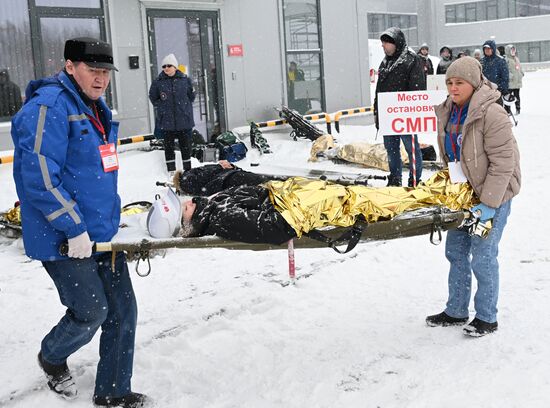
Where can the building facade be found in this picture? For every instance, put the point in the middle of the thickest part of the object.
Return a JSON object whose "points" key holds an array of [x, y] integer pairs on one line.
{"points": [[246, 57], [237, 53], [465, 25]]}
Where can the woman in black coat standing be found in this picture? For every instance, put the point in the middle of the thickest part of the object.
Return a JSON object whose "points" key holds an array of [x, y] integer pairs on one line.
{"points": [[172, 95]]}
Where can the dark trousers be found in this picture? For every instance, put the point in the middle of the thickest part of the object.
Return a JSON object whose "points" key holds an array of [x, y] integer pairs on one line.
{"points": [[185, 141], [515, 92], [393, 147], [245, 178], [95, 296]]}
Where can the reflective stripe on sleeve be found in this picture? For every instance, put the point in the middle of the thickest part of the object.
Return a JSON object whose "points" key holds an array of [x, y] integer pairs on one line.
{"points": [[67, 206]]}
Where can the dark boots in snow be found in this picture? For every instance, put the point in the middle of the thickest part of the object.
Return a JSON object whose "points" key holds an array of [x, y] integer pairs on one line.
{"points": [[59, 378], [444, 320], [478, 328]]}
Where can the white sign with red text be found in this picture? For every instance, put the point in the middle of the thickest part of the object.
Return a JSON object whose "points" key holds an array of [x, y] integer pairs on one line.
{"points": [[406, 113]]}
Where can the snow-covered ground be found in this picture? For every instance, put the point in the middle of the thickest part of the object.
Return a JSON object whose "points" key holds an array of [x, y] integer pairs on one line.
{"points": [[217, 330]]}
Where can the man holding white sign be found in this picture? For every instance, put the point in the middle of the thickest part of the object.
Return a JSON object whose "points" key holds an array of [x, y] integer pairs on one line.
{"points": [[401, 70]]}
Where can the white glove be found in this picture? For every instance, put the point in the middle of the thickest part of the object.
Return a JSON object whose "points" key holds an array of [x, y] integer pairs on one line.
{"points": [[80, 246]]}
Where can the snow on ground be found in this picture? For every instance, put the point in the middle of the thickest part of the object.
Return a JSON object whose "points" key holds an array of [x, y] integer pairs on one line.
{"points": [[217, 330]]}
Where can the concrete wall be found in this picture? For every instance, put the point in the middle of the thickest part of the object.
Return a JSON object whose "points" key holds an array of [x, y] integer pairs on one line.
{"points": [[253, 82], [345, 54], [131, 86]]}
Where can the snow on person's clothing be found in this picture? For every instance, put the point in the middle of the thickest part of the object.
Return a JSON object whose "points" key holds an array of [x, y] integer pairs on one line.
{"points": [[489, 151], [453, 132], [444, 62], [244, 214], [402, 71], [173, 98], [213, 178], [58, 171], [515, 80], [495, 68]]}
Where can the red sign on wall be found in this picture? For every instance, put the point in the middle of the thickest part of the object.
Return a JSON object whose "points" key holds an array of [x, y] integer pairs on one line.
{"points": [[235, 50]]}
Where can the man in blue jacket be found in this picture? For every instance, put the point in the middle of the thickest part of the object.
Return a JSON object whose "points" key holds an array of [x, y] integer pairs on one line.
{"points": [[495, 67], [65, 171]]}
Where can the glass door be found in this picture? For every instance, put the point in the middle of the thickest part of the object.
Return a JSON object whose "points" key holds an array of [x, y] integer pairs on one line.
{"points": [[192, 37]]}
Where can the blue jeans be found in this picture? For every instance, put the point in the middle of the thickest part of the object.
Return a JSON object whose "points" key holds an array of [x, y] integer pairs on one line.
{"points": [[392, 145], [95, 296], [471, 253]]}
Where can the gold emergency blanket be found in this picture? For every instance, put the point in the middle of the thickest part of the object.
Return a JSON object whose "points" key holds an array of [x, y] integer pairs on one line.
{"points": [[369, 155], [366, 154], [14, 215], [309, 204]]}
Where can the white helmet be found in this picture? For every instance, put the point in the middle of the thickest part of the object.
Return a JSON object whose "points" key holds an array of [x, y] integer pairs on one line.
{"points": [[164, 218]]}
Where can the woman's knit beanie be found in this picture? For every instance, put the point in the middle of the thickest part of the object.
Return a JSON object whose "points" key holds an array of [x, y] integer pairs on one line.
{"points": [[466, 68]]}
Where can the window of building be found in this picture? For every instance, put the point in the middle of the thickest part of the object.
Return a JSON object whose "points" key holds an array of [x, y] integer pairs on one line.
{"points": [[378, 23], [533, 51], [495, 10], [69, 3], [460, 13], [32, 37], [492, 12], [16, 59], [54, 32], [471, 12], [545, 50], [450, 14], [304, 60], [481, 11], [502, 9], [512, 8]]}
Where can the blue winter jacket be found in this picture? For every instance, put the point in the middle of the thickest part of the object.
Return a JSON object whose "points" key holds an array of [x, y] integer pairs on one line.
{"points": [[495, 68], [58, 172], [173, 97]]}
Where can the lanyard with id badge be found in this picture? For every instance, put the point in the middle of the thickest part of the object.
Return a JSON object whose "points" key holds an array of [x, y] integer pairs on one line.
{"points": [[455, 169], [107, 151]]}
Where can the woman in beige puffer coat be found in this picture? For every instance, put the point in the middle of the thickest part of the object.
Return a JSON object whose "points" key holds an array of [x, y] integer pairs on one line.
{"points": [[475, 139]]}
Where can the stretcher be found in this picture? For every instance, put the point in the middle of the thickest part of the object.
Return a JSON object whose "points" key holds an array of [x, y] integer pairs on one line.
{"points": [[133, 238]]}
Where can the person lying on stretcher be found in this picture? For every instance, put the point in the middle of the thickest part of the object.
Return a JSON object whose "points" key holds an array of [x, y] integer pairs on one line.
{"points": [[236, 208], [277, 211], [242, 213]]}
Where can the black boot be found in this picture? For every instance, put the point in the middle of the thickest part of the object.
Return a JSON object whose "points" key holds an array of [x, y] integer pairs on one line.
{"points": [[479, 328], [59, 378], [394, 181], [443, 319], [132, 400]]}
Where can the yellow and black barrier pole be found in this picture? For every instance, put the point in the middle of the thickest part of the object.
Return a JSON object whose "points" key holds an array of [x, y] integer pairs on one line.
{"points": [[347, 112], [6, 159], [135, 139], [126, 140]]}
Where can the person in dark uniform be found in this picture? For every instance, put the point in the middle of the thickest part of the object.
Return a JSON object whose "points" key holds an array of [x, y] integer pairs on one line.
{"points": [[172, 95]]}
